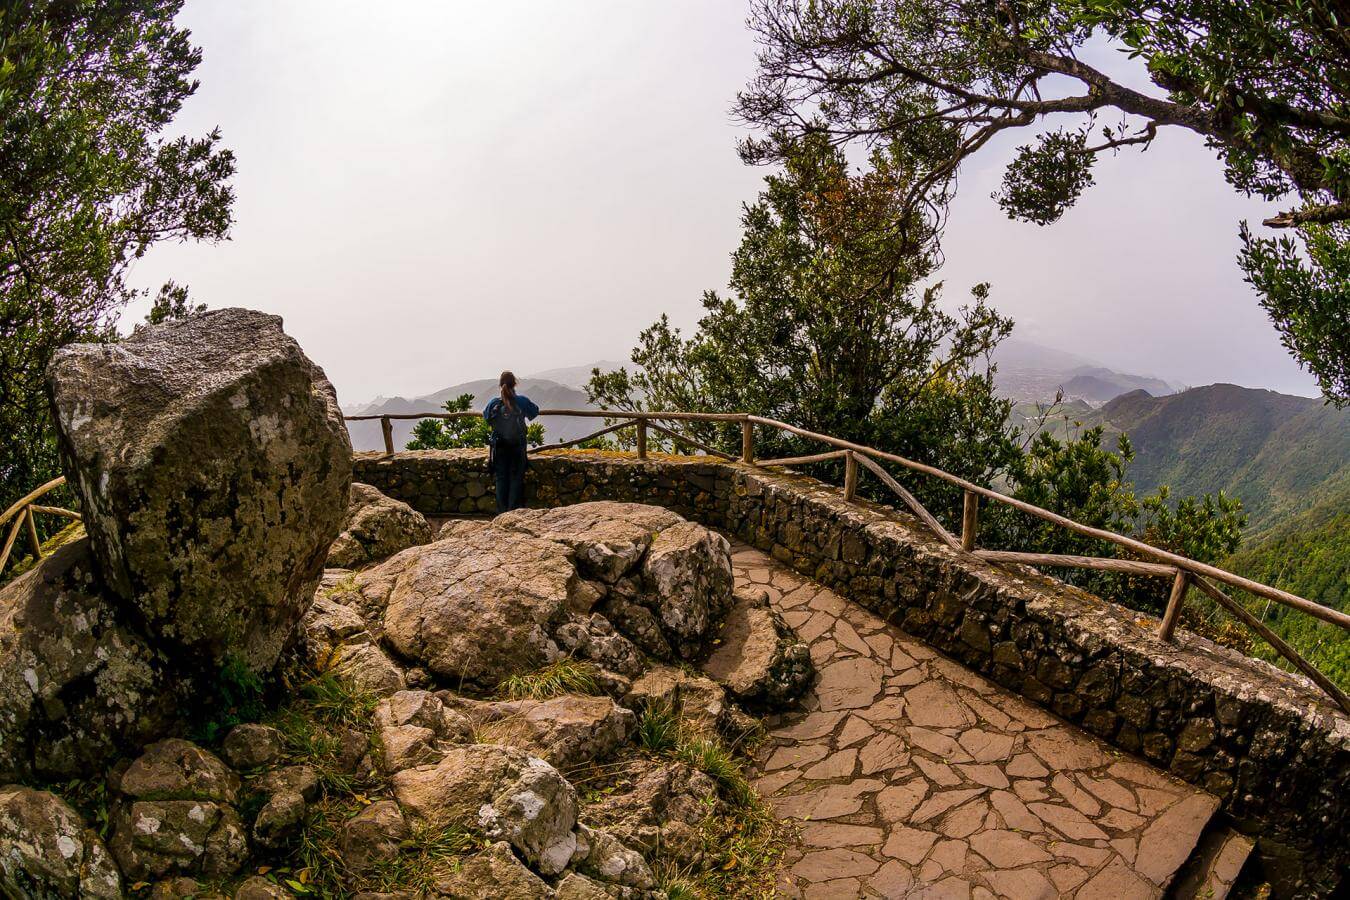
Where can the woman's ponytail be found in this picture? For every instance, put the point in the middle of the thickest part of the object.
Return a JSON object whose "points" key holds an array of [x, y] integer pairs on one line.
{"points": [[508, 386]]}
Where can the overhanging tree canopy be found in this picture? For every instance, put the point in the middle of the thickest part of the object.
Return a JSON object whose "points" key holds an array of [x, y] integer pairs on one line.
{"points": [[1265, 83], [87, 185]]}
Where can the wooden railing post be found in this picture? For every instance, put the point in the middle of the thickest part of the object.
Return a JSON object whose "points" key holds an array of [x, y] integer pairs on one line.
{"points": [[32, 532], [1173, 613], [850, 475], [747, 441], [642, 438], [387, 427], [970, 520]]}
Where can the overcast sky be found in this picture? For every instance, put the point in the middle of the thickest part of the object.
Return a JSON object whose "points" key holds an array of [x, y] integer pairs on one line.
{"points": [[430, 191]]}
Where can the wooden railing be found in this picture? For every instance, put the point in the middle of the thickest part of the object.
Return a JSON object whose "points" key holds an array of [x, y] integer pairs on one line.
{"points": [[1184, 572], [23, 512]]}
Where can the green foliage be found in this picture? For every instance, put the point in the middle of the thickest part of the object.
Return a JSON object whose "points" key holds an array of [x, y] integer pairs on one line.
{"points": [[658, 728], [172, 303], [1305, 287], [829, 330], [1265, 83], [1081, 479], [566, 676], [1044, 181], [453, 434], [238, 697], [88, 183]]}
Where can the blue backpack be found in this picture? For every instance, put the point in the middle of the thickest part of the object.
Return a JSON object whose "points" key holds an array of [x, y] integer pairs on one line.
{"points": [[508, 426]]}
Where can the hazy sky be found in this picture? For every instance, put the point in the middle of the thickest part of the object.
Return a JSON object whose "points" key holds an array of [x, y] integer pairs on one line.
{"points": [[430, 191]]}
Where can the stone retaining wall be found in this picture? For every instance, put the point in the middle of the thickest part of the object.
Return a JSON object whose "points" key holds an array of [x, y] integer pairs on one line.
{"points": [[1269, 744]]}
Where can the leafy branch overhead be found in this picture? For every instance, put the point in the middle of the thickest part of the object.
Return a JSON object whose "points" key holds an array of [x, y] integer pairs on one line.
{"points": [[1266, 84]]}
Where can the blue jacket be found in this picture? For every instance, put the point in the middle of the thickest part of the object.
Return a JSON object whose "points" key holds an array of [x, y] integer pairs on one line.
{"points": [[524, 403]]}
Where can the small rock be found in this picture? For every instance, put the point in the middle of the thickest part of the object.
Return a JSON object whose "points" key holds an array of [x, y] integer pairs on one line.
{"points": [[252, 746], [759, 659], [566, 731], [687, 579], [699, 701], [175, 769], [279, 819], [182, 888], [494, 873], [377, 527], [594, 638], [153, 838], [610, 861], [503, 792], [301, 779], [259, 888], [575, 886], [46, 850], [373, 835]]}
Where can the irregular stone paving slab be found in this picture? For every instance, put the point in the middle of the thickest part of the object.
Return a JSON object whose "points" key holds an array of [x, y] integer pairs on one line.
{"points": [[914, 777]]}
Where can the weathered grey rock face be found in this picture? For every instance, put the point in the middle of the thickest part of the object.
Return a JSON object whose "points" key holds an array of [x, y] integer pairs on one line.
{"points": [[76, 684], [663, 805], [479, 606], [213, 465], [609, 538], [503, 792], [687, 573], [566, 731], [47, 852], [377, 526], [760, 660], [177, 815]]}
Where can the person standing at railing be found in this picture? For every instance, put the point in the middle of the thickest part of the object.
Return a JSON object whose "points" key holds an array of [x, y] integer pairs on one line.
{"points": [[507, 414]]}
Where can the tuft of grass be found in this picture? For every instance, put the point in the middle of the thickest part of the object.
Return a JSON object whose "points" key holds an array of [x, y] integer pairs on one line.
{"points": [[658, 728], [566, 676], [310, 725], [710, 757], [433, 851]]}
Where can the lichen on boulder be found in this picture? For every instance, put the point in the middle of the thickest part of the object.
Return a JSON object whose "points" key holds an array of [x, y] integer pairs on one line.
{"points": [[77, 683], [48, 853], [212, 466]]}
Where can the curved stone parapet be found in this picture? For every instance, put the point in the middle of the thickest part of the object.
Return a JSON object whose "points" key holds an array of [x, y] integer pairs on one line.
{"points": [[1268, 743]]}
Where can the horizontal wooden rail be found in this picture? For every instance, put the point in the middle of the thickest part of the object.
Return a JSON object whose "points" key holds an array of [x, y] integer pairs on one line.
{"points": [[1129, 566], [802, 460], [688, 441], [563, 445], [910, 500]]}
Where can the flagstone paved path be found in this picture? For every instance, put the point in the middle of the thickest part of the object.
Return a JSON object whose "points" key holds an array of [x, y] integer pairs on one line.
{"points": [[913, 777]]}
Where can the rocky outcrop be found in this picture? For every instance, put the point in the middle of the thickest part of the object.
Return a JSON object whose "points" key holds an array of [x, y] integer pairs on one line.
{"points": [[377, 527], [566, 731], [759, 660], [177, 814], [504, 793], [77, 683], [414, 727], [687, 576], [662, 805], [203, 449], [698, 701], [47, 852], [609, 539]]}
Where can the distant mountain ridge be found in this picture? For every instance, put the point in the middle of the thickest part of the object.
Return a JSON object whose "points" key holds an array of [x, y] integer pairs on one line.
{"points": [[1028, 371], [1277, 452], [546, 393]]}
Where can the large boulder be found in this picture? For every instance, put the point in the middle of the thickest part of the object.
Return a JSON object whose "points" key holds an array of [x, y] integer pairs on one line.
{"points": [[47, 852], [212, 465], [477, 606], [760, 660], [77, 685], [502, 792], [377, 527]]}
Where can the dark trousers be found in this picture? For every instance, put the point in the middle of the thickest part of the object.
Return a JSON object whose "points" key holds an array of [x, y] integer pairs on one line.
{"points": [[508, 464]]}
